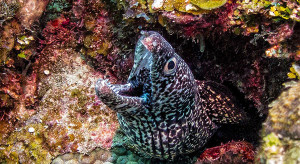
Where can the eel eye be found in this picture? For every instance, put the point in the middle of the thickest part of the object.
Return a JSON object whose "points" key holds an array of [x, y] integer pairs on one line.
{"points": [[170, 66]]}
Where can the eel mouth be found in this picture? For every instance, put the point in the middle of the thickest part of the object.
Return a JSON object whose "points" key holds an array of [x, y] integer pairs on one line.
{"points": [[119, 97], [124, 90], [132, 91]]}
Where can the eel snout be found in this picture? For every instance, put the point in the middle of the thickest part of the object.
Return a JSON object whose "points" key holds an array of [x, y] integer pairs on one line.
{"points": [[118, 97]]}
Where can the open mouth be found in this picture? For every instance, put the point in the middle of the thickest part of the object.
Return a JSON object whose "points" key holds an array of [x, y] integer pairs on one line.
{"points": [[135, 91], [129, 91], [121, 98]]}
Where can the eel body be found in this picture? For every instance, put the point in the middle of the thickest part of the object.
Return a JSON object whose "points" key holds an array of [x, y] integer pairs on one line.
{"points": [[162, 109]]}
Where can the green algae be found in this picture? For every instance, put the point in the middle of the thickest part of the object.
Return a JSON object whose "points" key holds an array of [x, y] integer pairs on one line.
{"points": [[271, 140]]}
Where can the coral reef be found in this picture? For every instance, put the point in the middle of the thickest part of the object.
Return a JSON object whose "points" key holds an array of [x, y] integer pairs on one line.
{"points": [[17, 96], [52, 52], [18, 85]]}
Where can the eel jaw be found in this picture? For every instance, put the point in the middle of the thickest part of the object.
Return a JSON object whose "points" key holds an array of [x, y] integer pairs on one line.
{"points": [[120, 98]]}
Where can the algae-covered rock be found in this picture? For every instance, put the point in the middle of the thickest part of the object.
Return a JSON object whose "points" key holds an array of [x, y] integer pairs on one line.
{"points": [[284, 114], [68, 118], [26, 146], [281, 131]]}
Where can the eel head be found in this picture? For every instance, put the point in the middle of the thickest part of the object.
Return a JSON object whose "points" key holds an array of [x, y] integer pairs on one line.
{"points": [[159, 81]]}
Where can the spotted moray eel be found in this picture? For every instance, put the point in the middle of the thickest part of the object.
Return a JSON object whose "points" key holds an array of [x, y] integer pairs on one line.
{"points": [[162, 109]]}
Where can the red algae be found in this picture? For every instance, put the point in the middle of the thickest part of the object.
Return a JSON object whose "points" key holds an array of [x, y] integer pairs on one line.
{"points": [[231, 152]]}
